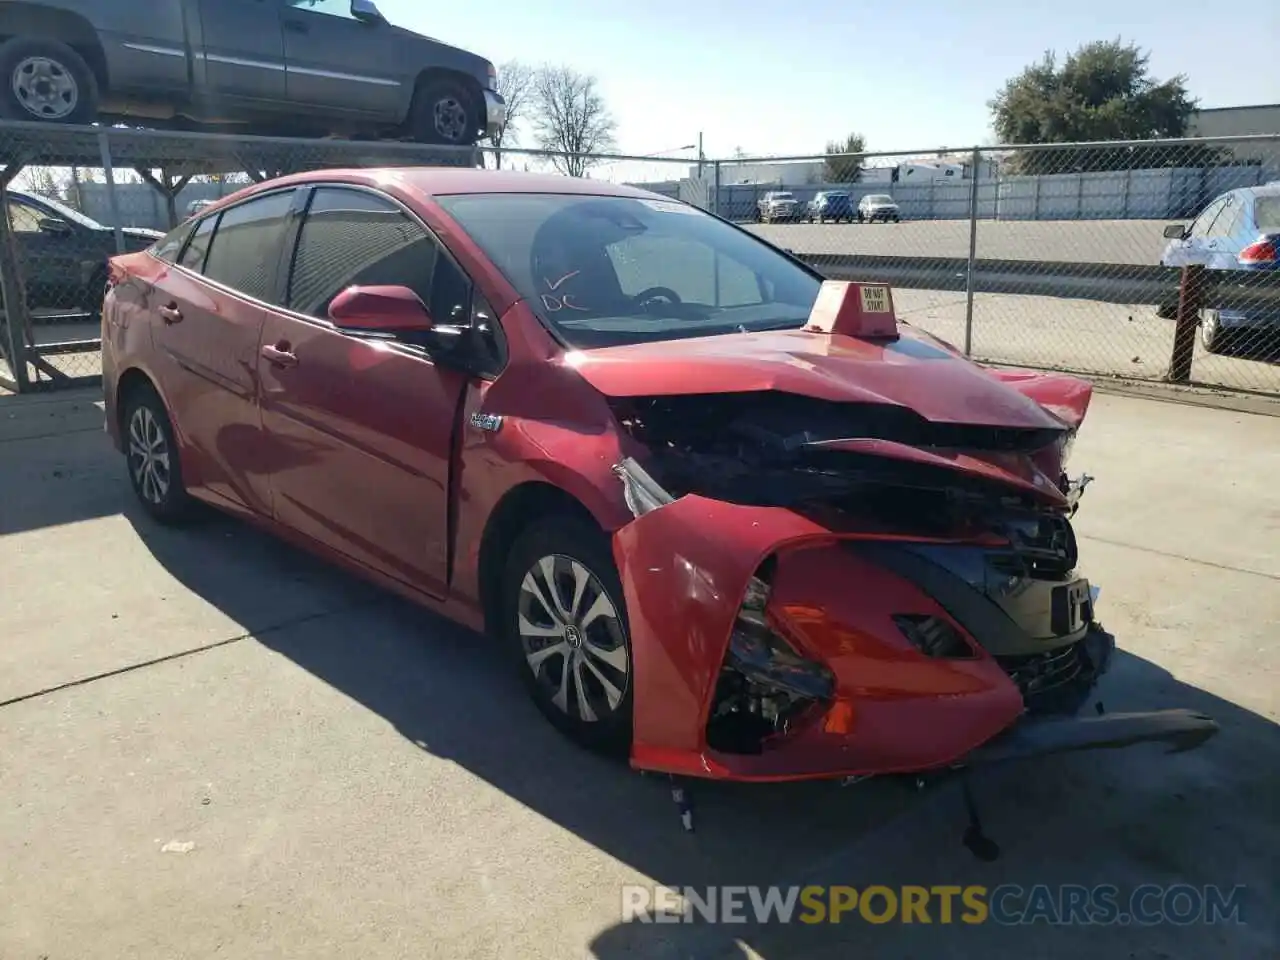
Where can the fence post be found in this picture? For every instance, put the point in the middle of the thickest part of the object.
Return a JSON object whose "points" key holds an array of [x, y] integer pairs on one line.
{"points": [[1190, 301], [15, 297], [973, 253], [113, 202], [715, 188]]}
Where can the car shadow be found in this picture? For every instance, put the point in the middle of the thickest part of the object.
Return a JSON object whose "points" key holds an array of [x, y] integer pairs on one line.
{"points": [[1117, 817]]}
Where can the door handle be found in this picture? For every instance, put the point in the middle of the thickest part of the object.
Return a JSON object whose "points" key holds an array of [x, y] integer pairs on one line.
{"points": [[170, 314], [279, 355], [296, 26]]}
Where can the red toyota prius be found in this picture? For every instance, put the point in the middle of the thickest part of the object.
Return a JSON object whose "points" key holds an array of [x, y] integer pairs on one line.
{"points": [[601, 426]]}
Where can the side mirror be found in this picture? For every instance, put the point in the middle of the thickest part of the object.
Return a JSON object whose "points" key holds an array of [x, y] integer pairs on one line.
{"points": [[54, 225], [1176, 231], [384, 312], [366, 11]]}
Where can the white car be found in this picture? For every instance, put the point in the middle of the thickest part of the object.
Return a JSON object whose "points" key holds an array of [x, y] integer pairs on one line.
{"points": [[1231, 233], [777, 205], [878, 206]]}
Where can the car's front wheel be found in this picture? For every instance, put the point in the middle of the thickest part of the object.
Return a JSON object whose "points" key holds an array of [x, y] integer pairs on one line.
{"points": [[152, 453], [444, 112], [565, 621]]}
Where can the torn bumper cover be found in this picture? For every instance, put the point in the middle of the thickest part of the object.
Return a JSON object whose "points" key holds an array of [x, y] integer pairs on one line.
{"points": [[769, 645]]}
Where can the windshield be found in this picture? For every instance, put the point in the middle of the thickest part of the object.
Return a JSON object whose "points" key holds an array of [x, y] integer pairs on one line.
{"points": [[784, 196], [879, 198], [1266, 211], [606, 271], [66, 213]]}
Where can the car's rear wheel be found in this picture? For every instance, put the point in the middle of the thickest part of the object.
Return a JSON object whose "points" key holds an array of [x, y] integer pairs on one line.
{"points": [[46, 80], [152, 453], [564, 620]]}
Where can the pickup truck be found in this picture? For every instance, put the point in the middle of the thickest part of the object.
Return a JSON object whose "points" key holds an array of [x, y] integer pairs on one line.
{"points": [[281, 67]]}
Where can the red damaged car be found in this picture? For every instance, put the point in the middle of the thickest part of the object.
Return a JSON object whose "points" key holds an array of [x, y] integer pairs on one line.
{"points": [[725, 525]]}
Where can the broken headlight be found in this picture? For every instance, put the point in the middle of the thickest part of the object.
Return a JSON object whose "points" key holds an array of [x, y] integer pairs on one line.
{"points": [[761, 655], [764, 683]]}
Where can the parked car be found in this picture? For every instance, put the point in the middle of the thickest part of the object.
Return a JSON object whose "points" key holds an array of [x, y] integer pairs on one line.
{"points": [[314, 67], [588, 418], [834, 205], [63, 253], [878, 206], [777, 205], [1236, 231]]}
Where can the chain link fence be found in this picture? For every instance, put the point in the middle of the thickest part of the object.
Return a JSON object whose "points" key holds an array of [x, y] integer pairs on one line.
{"points": [[76, 196], [1144, 260]]}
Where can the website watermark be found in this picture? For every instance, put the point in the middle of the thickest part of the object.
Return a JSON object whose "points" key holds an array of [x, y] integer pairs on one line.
{"points": [[1005, 905]]}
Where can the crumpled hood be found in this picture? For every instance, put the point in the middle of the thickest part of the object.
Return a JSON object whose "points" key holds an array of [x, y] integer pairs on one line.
{"points": [[916, 371]]}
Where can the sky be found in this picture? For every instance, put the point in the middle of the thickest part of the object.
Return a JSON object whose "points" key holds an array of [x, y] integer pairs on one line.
{"points": [[777, 78]]}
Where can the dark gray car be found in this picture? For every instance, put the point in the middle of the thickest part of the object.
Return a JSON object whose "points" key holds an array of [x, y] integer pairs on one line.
{"points": [[63, 254], [300, 67]]}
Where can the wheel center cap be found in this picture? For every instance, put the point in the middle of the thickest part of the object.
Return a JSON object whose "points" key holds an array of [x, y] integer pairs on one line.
{"points": [[572, 636]]}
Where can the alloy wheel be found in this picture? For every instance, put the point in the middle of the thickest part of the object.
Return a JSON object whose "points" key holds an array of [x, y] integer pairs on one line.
{"points": [[149, 456], [573, 638]]}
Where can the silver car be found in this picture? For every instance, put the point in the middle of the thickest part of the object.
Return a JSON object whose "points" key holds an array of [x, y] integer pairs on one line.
{"points": [[878, 206], [777, 205], [1223, 237]]}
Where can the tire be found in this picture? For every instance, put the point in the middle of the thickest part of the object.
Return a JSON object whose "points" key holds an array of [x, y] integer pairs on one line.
{"points": [[444, 113], [148, 439], [572, 547], [1211, 333], [46, 81]]}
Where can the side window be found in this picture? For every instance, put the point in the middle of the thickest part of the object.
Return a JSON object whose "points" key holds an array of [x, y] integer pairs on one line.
{"points": [[193, 256], [24, 218], [353, 237], [246, 246], [170, 244]]}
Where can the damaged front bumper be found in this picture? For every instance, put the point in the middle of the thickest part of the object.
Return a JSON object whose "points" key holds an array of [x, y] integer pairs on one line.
{"points": [[768, 645]]}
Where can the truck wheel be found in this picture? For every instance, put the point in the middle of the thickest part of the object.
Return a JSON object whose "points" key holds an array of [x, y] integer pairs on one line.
{"points": [[46, 80], [444, 112]]}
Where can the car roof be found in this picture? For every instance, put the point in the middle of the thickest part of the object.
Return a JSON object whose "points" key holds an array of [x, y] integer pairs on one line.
{"points": [[443, 181]]}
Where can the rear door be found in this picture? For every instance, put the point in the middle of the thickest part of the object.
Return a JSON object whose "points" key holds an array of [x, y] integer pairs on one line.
{"points": [[334, 60], [243, 49], [209, 310], [367, 427]]}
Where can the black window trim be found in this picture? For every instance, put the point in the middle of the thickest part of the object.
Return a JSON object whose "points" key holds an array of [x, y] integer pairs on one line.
{"points": [[293, 231]]}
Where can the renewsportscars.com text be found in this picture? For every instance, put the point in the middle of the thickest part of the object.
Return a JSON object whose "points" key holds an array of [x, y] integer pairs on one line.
{"points": [[1008, 904]]}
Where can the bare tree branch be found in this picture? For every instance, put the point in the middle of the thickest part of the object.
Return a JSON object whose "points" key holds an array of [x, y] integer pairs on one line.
{"points": [[516, 82], [571, 119]]}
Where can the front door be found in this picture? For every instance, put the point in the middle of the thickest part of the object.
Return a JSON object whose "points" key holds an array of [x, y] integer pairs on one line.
{"points": [[334, 60], [55, 263], [243, 49], [366, 428], [209, 312]]}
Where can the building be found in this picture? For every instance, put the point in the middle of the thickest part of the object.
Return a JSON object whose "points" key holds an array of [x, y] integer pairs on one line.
{"points": [[1241, 121]]}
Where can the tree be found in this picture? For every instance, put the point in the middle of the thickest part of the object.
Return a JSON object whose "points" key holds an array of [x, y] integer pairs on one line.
{"points": [[842, 162], [571, 119], [1102, 91], [516, 85]]}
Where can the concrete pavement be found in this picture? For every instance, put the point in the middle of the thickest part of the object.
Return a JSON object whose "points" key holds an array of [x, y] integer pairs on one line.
{"points": [[213, 745]]}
